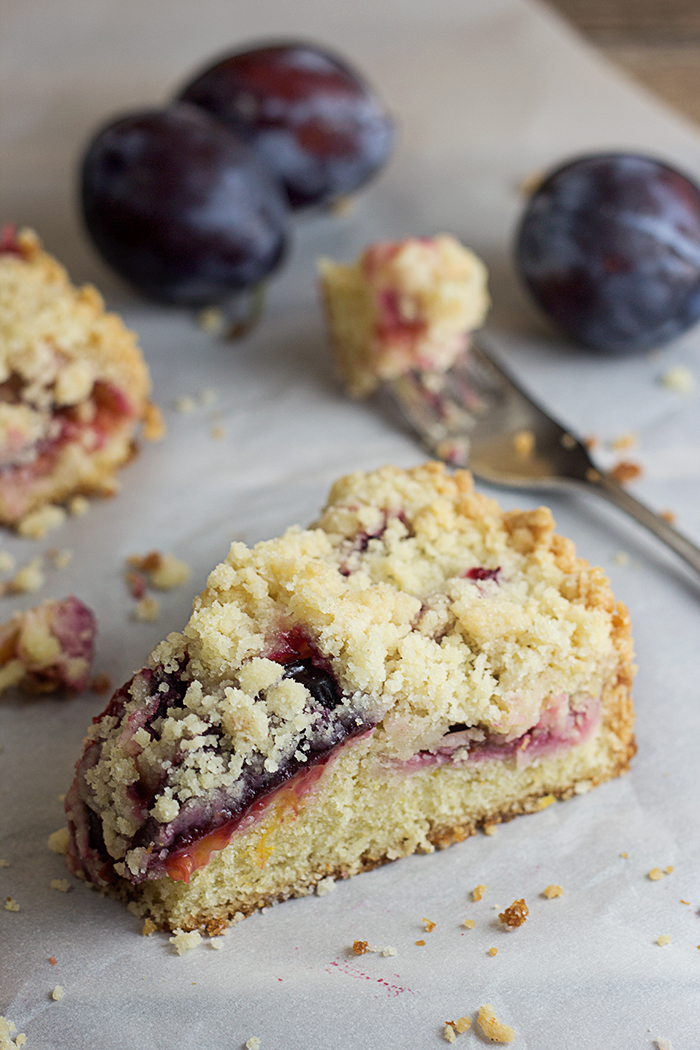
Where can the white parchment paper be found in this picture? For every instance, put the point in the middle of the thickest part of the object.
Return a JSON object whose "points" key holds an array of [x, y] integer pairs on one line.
{"points": [[486, 92]]}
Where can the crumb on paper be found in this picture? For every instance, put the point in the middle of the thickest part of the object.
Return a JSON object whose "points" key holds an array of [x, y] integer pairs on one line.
{"points": [[655, 874], [28, 579], [11, 905], [53, 960], [582, 787], [622, 558], [217, 943], [147, 610], [388, 952], [37, 523], [679, 379], [325, 886], [455, 1028], [429, 926], [360, 947], [684, 902], [218, 432], [184, 942], [149, 928], [524, 443], [567, 441], [253, 1043], [185, 405], [624, 441], [479, 891], [60, 559], [4, 863], [626, 470], [420, 944], [101, 683], [663, 1044], [153, 427], [62, 885], [663, 939], [469, 924], [493, 951], [546, 800], [448, 1033], [490, 829], [7, 562], [515, 914], [162, 571], [58, 840], [492, 1028], [78, 506], [552, 891], [7, 1031], [625, 855], [57, 993], [669, 869], [669, 515], [590, 441]]}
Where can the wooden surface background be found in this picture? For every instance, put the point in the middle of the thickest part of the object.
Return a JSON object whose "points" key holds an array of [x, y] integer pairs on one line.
{"points": [[656, 41]]}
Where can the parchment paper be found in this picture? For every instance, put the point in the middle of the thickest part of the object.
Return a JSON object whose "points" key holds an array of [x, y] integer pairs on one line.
{"points": [[486, 92]]}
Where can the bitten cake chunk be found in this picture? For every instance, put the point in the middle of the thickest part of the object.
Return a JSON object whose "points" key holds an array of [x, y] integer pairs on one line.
{"points": [[73, 384], [416, 665], [402, 305]]}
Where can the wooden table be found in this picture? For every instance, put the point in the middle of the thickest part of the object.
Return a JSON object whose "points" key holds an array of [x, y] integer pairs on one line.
{"points": [[656, 41]]}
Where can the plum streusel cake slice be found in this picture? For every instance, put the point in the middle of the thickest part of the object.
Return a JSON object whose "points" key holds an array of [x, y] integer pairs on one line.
{"points": [[402, 305], [416, 665], [73, 384]]}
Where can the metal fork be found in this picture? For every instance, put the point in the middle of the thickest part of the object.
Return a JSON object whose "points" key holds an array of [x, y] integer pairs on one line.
{"points": [[476, 415]]}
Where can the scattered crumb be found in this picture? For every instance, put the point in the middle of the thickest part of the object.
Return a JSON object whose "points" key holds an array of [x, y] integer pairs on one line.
{"points": [[625, 855], [493, 951], [449, 1033], [78, 506], [515, 914], [163, 571], [211, 320], [7, 562], [420, 943], [149, 928], [101, 683], [147, 610], [153, 426], [655, 874], [462, 1024], [524, 443], [663, 1044], [546, 800], [7, 1030], [57, 993], [684, 902], [492, 1028], [388, 952], [429, 926], [622, 558], [11, 905], [61, 559], [626, 470], [183, 942], [185, 405], [479, 891], [136, 582], [590, 442], [567, 441], [664, 939], [469, 923], [253, 1043], [62, 885], [669, 515], [490, 829], [359, 947], [37, 523], [552, 891], [217, 943], [325, 886], [28, 579], [218, 432], [680, 379], [624, 441], [58, 840], [669, 869], [582, 787], [4, 863], [52, 960]]}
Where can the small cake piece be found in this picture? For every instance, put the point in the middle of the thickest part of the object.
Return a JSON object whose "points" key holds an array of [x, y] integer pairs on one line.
{"points": [[49, 647], [73, 384], [415, 666], [402, 305]]}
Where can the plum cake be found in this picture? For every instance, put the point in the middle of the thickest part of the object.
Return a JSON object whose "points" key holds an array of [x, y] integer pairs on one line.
{"points": [[49, 647], [402, 305], [73, 384], [416, 665]]}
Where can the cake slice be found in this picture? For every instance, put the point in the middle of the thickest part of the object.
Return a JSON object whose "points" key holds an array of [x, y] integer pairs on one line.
{"points": [[73, 384], [415, 666], [402, 305]]}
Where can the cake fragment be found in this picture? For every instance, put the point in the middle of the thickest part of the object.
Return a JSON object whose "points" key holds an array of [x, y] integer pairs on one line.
{"points": [[415, 666], [492, 1028], [402, 305], [74, 387], [48, 647]]}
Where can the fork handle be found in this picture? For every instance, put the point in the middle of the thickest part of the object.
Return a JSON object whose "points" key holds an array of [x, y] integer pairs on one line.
{"points": [[609, 489]]}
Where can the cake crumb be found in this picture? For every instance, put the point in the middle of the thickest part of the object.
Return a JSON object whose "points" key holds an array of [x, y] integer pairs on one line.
{"points": [[163, 571], [147, 610], [218, 432], [253, 1043], [669, 869], [622, 559], [211, 320], [625, 855], [624, 441], [679, 379], [325, 886], [545, 801], [37, 523], [420, 944], [359, 947], [183, 942], [668, 515], [663, 1044], [11, 905], [515, 914], [524, 443], [216, 943], [53, 960], [469, 923], [101, 683], [185, 405], [149, 928], [655, 874], [4, 863], [78, 506], [684, 902], [61, 559], [28, 579], [493, 951], [449, 1033], [490, 829], [492, 1028], [388, 952], [62, 885], [7, 1031], [153, 427], [462, 1024], [7, 562], [429, 926], [479, 891], [58, 841], [552, 891], [626, 470], [664, 939], [57, 993]]}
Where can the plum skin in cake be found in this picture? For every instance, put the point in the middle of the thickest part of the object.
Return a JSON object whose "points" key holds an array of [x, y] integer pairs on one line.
{"points": [[402, 305], [415, 666], [73, 384]]}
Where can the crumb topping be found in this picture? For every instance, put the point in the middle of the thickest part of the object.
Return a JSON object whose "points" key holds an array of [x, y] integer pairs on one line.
{"points": [[515, 914]]}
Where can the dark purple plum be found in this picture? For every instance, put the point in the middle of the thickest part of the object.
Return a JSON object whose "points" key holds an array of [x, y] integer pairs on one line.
{"points": [[315, 121], [181, 207], [609, 246]]}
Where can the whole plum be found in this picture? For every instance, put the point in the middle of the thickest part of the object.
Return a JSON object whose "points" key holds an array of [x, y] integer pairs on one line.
{"points": [[609, 246], [315, 121], [180, 207]]}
